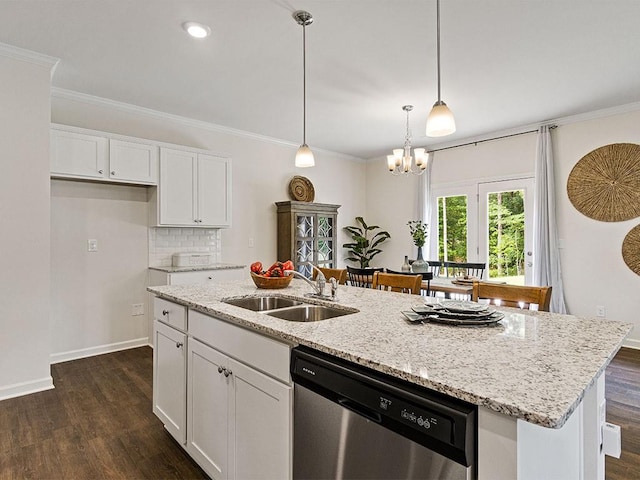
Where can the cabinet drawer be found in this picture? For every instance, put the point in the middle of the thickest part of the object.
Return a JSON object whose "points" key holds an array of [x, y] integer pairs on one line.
{"points": [[170, 313], [262, 353], [205, 276]]}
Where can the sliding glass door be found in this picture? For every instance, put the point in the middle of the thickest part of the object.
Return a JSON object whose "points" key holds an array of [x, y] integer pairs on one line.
{"points": [[485, 222]]}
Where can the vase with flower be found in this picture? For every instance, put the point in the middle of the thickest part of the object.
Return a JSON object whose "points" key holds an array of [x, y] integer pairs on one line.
{"points": [[418, 231]]}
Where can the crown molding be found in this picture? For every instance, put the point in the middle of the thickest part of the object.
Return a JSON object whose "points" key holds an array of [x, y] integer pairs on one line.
{"points": [[189, 122], [30, 56]]}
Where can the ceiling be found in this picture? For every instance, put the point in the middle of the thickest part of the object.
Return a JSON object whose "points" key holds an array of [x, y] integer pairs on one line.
{"points": [[505, 63]]}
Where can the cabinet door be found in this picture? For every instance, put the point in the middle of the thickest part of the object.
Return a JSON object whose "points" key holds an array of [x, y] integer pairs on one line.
{"points": [[176, 189], [170, 380], [133, 162], [325, 240], [78, 155], [214, 191], [305, 231], [260, 434], [208, 409]]}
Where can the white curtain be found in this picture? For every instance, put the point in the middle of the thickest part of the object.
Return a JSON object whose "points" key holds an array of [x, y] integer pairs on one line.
{"points": [[424, 203], [546, 258]]}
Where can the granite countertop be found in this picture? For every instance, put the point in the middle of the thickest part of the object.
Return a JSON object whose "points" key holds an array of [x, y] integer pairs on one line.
{"points": [[198, 268], [532, 365]]}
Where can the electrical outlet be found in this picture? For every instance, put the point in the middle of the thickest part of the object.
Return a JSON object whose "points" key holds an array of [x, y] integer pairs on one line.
{"points": [[600, 311], [92, 245], [137, 309]]}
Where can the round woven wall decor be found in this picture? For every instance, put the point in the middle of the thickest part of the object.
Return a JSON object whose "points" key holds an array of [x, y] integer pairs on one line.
{"points": [[631, 249], [605, 183], [301, 189]]}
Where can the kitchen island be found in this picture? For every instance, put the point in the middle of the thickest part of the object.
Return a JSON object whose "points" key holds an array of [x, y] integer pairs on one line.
{"points": [[536, 377]]}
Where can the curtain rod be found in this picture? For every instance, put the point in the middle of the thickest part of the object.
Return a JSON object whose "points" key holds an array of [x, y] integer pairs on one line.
{"points": [[488, 140]]}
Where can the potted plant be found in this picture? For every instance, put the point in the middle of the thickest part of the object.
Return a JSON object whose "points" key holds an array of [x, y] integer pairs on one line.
{"points": [[363, 248], [418, 231]]}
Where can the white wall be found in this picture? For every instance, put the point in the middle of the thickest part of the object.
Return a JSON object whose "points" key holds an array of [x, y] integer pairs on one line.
{"points": [[261, 171], [594, 272], [92, 293], [24, 219], [111, 280]]}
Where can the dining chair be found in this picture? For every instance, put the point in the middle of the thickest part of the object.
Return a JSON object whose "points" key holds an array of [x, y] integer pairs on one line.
{"points": [[361, 277], [340, 274], [435, 266], [397, 282], [455, 269], [513, 295], [426, 277]]}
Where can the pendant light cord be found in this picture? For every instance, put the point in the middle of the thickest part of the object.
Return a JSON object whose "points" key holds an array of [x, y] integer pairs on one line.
{"points": [[438, 44], [304, 84]]}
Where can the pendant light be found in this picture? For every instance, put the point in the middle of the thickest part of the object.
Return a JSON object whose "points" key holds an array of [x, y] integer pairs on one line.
{"points": [[304, 155], [401, 162], [440, 121]]}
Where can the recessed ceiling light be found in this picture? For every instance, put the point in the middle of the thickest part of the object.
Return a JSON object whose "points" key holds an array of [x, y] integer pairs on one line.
{"points": [[196, 29]]}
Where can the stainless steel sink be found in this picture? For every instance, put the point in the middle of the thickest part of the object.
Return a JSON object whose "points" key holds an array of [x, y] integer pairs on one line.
{"points": [[310, 313], [259, 304]]}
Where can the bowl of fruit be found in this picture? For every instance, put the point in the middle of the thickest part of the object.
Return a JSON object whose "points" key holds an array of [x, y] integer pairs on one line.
{"points": [[275, 276]]}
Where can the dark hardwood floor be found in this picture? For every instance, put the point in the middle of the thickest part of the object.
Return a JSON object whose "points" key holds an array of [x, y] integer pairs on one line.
{"points": [[623, 408], [97, 423]]}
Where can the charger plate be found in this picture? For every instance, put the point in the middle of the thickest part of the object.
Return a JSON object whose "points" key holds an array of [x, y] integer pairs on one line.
{"points": [[301, 189]]}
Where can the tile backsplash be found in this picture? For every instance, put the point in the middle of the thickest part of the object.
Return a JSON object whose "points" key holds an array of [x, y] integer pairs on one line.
{"points": [[164, 242]]}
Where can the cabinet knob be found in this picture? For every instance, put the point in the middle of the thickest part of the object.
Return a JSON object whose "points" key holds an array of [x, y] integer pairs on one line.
{"points": [[100, 172], [165, 312], [113, 172], [220, 369], [179, 344], [210, 278], [227, 372]]}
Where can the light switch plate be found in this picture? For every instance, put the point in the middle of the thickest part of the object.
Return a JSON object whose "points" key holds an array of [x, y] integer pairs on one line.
{"points": [[92, 245]]}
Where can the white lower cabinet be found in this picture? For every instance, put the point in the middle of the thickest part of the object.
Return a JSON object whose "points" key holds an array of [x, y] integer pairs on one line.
{"points": [[170, 379], [208, 410], [238, 418], [238, 399]]}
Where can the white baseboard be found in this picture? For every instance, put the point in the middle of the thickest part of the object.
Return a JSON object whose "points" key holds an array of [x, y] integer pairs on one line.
{"points": [[631, 343], [25, 388], [99, 350]]}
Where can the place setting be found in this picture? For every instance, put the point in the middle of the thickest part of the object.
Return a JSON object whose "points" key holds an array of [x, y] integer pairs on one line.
{"points": [[454, 312]]}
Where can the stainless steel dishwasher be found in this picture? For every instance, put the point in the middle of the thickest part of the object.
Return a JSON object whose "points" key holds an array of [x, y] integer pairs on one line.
{"points": [[353, 423]]}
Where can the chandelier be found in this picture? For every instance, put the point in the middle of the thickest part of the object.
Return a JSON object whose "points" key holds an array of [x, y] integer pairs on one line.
{"points": [[401, 162]]}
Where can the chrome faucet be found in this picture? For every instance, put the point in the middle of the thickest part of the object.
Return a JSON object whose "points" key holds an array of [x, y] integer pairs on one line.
{"points": [[318, 286]]}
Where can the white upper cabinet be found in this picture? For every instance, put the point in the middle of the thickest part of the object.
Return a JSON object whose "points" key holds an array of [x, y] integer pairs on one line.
{"points": [[132, 161], [194, 189], [85, 154], [78, 155]]}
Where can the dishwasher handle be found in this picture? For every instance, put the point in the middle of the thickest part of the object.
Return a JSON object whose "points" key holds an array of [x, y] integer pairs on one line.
{"points": [[360, 410]]}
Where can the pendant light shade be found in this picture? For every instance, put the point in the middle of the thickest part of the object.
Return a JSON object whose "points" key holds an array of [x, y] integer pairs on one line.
{"points": [[304, 155], [440, 121]]}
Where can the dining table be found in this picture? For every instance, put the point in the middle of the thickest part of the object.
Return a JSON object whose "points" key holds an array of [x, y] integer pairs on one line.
{"points": [[448, 285], [453, 285]]}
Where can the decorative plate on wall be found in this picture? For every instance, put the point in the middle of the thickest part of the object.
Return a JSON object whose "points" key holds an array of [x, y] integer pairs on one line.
{"points": [[605, 183], [301, 189], [631, 249]]}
